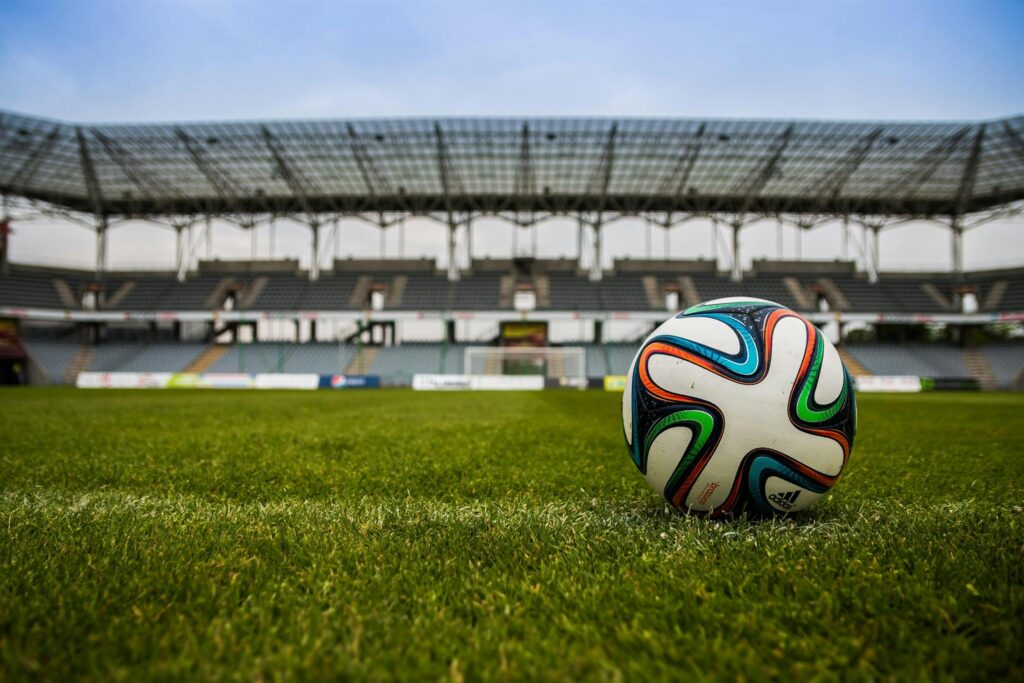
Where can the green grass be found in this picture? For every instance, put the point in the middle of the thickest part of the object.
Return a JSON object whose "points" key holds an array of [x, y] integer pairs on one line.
{"points": [[380, 535]]}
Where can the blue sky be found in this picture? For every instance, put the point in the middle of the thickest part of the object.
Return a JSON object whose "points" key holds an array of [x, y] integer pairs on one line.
{"points": [[212, 60], [156, 61]]}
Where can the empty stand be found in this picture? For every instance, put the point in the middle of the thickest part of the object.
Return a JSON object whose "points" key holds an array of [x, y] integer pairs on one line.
{"points": [[53, 355], [1007, 362], [29, 289], [321, 358], [142, 357], [408, 359], [924, 360], [570, 292], [558, 289]]}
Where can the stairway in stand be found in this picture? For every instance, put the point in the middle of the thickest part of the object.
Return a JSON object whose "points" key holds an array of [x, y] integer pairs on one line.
{"points": [[210, 355], [363, 360], [81, 362], [980, 369], [852, 364]]}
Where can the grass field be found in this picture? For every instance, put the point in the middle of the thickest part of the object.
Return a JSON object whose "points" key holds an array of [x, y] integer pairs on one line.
{"points": [[419, 536]]}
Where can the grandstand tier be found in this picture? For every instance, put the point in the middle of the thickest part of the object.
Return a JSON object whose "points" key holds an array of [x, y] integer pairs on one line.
{"points": [[396, 364], [830, 287]]}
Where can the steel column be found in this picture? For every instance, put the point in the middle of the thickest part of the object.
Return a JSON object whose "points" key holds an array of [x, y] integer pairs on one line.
{"points": [[846, 238], [778, 239], [737, 268], [101, 246], [5, 234], [179, 251], [595, 265], [798, 245], [273, 234], [209, 238], [873, 261], [958, 247], [714, 241], [453, 266], [314, 265], [336, 237], [579, 242]]}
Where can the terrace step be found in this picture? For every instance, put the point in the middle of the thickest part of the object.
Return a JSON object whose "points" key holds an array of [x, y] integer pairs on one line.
{"points": [[688, 288], [542, 290], [396, 291], [995, 294], [837, 301], [118, 295], [363, 360], [980, 370], [210, 355], [65, 294], [360, 293], [938, 297], [220, 293], [851, 363], [81, 362], [654, 299], [507, 291], [799, 293]]}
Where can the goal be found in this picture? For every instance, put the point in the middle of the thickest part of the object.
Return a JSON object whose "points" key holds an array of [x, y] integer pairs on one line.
{"points": [[562, 365]]}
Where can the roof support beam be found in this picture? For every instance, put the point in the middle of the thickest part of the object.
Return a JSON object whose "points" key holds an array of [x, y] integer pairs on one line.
{"points": [[28, 168], [526, 181], [225, 187], [293, 177], [375, 181], [601, 180], [92, 183], [150, 187], [679, 178], [450, 183], [1015, 138], [970, 174], [925, 168], [832, 184], [756, 181]]}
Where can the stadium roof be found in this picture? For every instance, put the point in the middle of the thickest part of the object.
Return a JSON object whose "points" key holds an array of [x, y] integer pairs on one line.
{"points": [[525, 165]]}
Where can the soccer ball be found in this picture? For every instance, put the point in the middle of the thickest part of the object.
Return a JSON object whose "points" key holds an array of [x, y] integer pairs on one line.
{"points": [[739, 404]]}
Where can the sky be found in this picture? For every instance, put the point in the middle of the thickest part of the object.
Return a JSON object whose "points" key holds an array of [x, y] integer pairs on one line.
{"points": [[91, 61]]}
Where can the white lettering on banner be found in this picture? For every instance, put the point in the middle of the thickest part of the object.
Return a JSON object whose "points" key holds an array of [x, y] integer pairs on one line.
{"points": [[507, 382], [286, 381], [122, 380], [888, 383], [224, 380], [477, 382], [424, 382]]}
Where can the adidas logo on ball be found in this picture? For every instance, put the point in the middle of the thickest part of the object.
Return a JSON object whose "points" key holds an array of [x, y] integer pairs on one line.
{"points": [[784, 500]]}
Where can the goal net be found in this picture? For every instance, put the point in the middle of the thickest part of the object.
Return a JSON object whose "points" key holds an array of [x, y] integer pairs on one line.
{"points": [[565, 365]]}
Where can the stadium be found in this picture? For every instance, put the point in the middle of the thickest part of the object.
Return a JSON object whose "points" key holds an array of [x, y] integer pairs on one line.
{"points": [[395, 451], [347, 316]]}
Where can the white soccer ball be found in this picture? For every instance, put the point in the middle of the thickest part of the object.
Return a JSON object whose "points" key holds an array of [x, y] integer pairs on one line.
{"points": [[739, 404]]}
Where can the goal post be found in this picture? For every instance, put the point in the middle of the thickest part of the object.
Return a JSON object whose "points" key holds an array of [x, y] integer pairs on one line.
{"points": [[563, 365]]}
